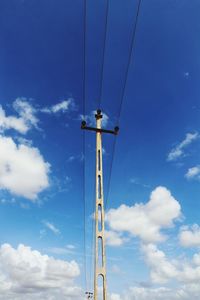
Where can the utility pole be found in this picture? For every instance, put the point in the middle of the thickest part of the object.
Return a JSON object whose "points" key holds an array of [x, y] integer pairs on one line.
{"points": [[100, 255]]}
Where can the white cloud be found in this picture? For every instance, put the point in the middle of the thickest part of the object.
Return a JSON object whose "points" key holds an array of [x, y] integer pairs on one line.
{"points": [[68, 249], [27, 274], [193, 173], [178, 151], [62, 106], [71, 247], [24, 122], [27, 118], [164, 270], [184, 292], [190, 237], [114, 238], [51, 227], [114, 297], [91, 121], [186, 74], [8, 201], [146, 220], [26, 111], [136, 181], [12, 122], [161, 269], [78, 157], [23, 170]]}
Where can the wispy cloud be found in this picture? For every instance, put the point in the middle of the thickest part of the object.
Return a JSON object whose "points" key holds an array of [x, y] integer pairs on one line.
{"points": [[26, 115], [7, 201], [25, 120], [51, 227], [136, 181], [178, 151], [26, 111], [68, 249], [62, 106], [78, 157], [193, 173], [186, 74]]}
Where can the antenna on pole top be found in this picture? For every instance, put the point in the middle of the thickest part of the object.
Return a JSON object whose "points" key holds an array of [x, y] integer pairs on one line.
{"points": [[100, 264]]}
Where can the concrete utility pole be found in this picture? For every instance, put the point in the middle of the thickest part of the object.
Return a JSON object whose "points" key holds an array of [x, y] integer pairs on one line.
{"points": [[100, 255]]}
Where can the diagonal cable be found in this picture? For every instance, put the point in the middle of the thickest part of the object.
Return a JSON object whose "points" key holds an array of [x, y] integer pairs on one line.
{"points": [[103, 58], [84, 108], [130, 56]]}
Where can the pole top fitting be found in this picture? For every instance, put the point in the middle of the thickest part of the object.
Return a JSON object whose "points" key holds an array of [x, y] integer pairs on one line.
{"points": [[83, 124], [98, 115], [116, 129]]}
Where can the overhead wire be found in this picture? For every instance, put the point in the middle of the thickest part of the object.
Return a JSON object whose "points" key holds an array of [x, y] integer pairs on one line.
{"points": [[84, 108], [84, 113], [99, 104], [103, 57], [130, 56]]}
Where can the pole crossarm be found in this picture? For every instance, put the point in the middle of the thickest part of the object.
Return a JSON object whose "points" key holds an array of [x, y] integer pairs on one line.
{"points": [[100, 254], [115, 132], [101, 130]]}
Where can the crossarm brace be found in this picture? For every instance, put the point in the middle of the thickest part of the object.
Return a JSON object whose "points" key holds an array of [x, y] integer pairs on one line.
{"points": [[115, 131]]}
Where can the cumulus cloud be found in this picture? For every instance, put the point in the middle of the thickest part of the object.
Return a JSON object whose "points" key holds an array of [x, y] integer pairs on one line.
{"points": [[193, 173], [23, 170], [190, 236], [161, 269], [114, 238], [62, 106], [146, 220], [51, 227], [183, 292], [27, 274], [178, 151], [114, 297]]}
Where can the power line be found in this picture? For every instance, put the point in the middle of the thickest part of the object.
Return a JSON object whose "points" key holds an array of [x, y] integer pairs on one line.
{"points": [[84, 55], [103, 58], [123, 90], [84, 107], [100, 96], [129, 57]]}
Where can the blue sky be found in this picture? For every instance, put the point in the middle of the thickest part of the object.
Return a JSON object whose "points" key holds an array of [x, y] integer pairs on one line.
{"points": [[152, 216]]}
